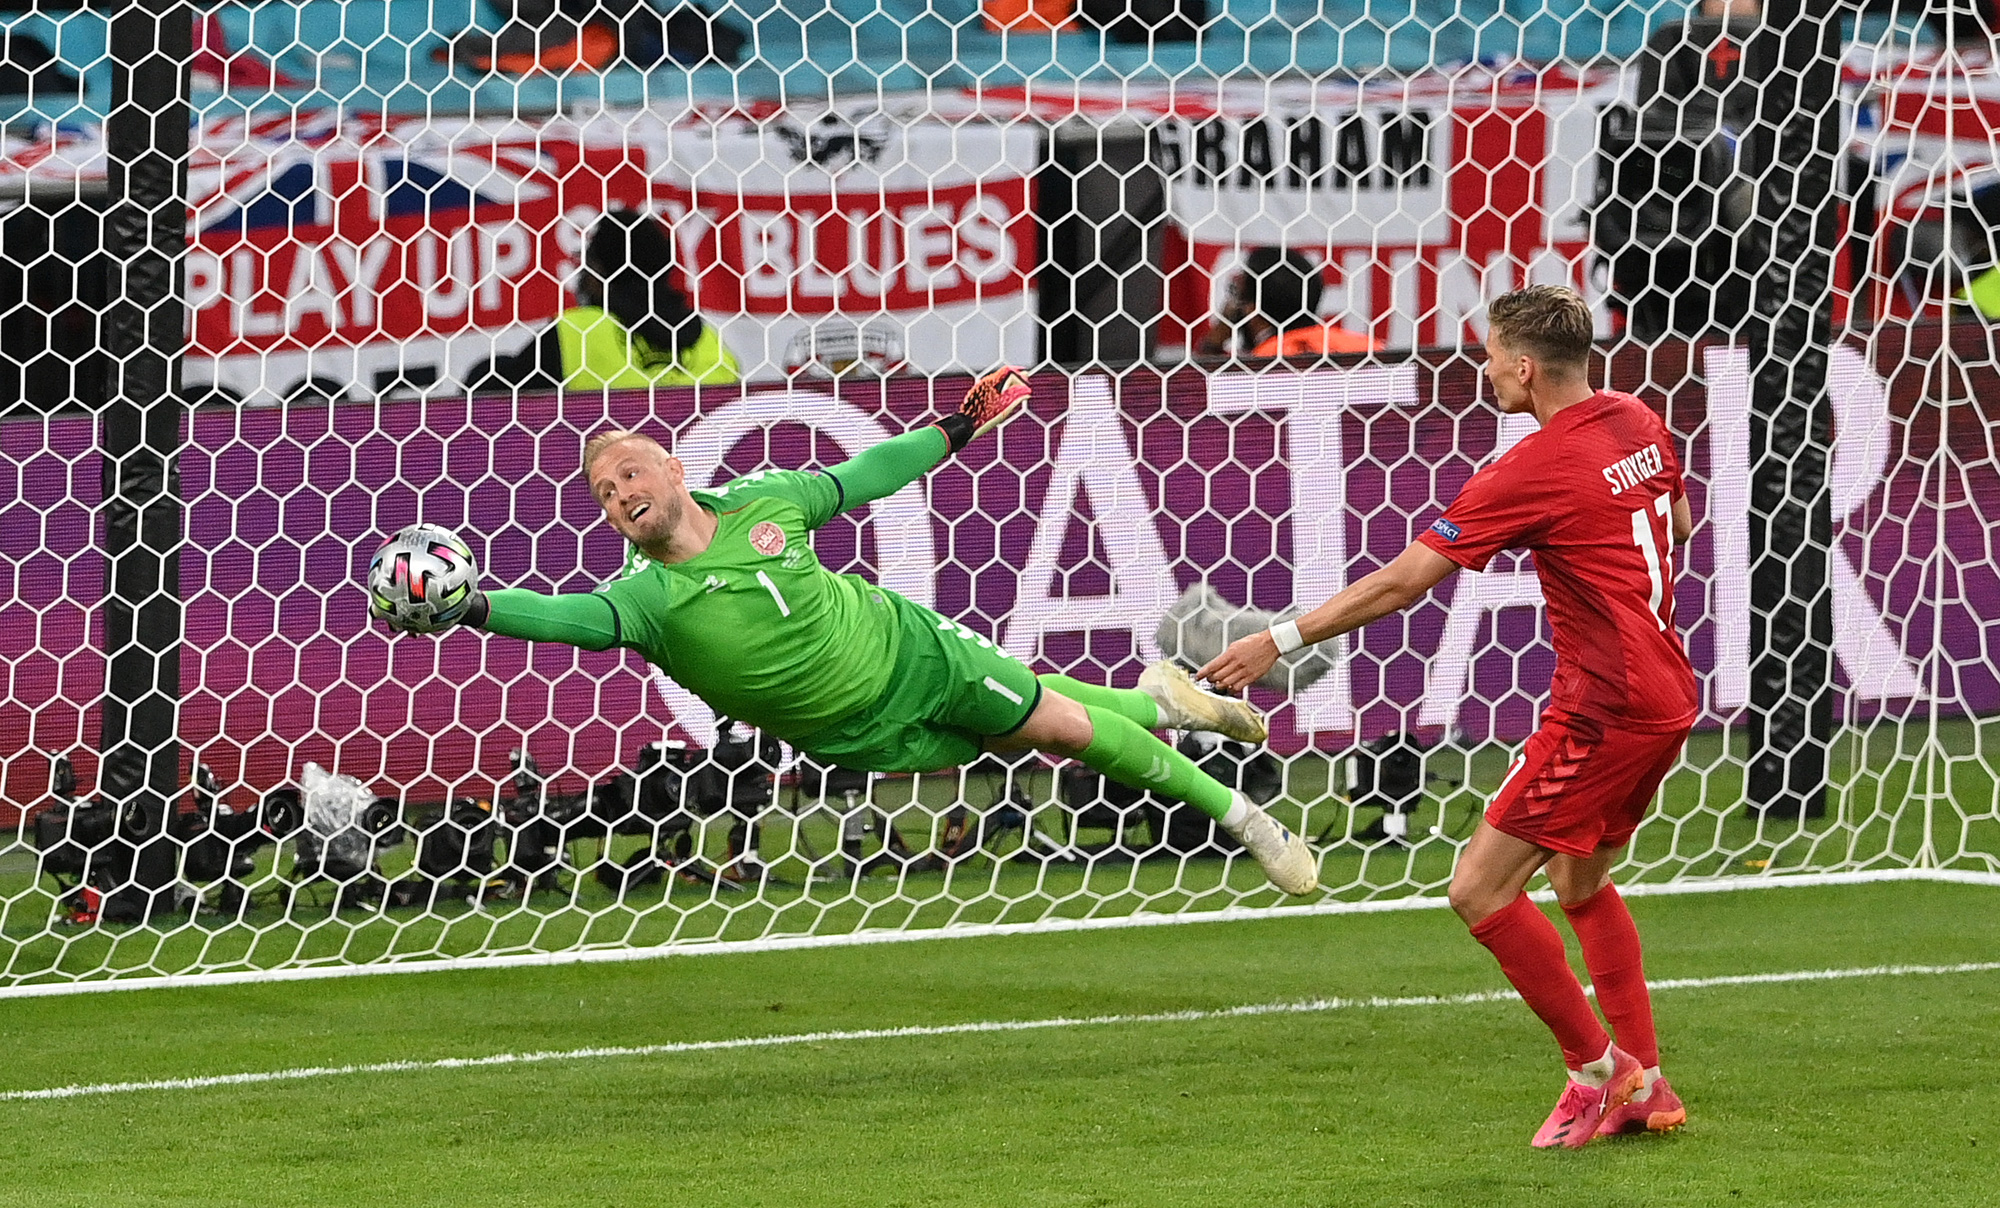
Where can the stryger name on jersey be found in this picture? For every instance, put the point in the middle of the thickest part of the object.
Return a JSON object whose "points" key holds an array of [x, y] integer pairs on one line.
{"points": [[1629, 472]]}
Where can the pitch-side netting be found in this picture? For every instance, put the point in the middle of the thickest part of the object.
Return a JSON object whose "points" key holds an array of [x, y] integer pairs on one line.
{"points": [[868, 203]]}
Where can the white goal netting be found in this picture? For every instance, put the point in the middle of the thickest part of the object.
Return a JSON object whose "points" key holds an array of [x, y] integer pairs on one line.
{"points": [[867, 203]]}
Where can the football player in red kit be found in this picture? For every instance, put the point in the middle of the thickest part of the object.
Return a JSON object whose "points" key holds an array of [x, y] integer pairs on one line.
{"points": [[1596, 497]]}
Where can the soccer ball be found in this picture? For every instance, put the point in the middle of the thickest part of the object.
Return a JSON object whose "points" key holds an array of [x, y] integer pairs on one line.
{"points": [[422, 580]]}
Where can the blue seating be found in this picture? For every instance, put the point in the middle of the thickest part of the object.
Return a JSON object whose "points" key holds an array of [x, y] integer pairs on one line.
{"points": [[79, 40], [377, 54]]}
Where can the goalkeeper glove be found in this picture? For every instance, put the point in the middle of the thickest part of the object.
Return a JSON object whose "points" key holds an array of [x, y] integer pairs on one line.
{"points": [[987, 405]]}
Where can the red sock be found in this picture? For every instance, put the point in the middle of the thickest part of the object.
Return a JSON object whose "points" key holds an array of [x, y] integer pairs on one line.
{"points": [[1611, 953], [1530, 951]]}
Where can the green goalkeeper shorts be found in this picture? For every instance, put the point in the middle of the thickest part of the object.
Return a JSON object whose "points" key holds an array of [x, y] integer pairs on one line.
{"points": [[951, 690]]}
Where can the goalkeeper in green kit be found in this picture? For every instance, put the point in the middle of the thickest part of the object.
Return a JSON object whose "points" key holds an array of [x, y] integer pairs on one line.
{"points": [[721, 590]]}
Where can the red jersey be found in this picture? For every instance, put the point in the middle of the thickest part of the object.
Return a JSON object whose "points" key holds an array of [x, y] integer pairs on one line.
{"points": [[1591, 497]]}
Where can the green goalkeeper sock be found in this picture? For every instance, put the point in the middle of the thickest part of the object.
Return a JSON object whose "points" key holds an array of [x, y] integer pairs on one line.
{"points": [[1129, 703], [1125, 752]]}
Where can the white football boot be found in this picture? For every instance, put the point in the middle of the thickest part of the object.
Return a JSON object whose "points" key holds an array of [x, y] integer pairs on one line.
{"points": [[1186, 706], [1282, 854]]}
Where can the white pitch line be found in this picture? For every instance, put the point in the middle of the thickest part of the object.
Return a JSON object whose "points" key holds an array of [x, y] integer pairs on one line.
{"points": [[1310, 1006]]}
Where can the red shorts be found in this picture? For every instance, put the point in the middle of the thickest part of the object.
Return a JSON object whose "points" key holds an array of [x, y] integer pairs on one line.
{"points": [[1579, 786]]}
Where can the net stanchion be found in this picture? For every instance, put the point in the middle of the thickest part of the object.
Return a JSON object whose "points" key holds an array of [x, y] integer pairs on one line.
{"points": [[1792, 148], [141, 431]]}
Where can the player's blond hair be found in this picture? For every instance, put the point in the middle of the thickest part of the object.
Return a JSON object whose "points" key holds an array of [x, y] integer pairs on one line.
{"points": [[594, 447], [1550, 323]]}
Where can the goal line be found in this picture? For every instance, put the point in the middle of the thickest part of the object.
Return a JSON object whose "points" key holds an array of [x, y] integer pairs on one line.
{"points": [[791, 943]]}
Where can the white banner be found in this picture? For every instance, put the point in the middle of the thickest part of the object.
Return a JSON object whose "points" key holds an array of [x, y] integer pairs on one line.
{"points": [[1418, 202], [906, 246]]}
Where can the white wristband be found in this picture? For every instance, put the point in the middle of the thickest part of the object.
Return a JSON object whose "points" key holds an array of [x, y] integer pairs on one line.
{"points": [[1286, 635]]}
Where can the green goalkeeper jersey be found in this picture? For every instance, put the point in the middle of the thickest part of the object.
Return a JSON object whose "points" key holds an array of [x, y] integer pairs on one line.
{"points": [[754, 625]]}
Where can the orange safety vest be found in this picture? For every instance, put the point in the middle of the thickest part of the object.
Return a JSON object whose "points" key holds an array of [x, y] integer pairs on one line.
{"points": [[593, 49], [1315, 340], [1025, 16]]}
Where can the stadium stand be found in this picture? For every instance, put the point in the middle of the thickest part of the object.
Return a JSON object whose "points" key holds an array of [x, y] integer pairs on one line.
{"points": [[380, 55]]}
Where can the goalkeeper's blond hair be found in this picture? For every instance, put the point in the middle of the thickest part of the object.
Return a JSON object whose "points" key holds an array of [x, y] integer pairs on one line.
{"points": [[596, 445]]}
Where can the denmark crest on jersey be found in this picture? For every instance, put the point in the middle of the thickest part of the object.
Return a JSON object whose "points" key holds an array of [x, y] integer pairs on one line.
{"points": [[767, 539]]}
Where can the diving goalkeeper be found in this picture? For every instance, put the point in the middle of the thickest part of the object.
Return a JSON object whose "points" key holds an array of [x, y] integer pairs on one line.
{"points": [[722, 591]]}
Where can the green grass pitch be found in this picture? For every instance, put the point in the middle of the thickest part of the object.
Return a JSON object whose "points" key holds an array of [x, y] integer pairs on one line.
{"points": [[1872, 1090]]}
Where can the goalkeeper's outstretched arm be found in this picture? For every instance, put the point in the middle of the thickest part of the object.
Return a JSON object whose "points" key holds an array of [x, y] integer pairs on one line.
{"points": [[586, 620], [423, 580], [881, 471], [901, 460]]}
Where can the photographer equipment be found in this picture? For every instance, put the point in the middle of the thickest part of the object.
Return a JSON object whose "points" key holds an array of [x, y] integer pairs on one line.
{"points": [[1184, 830], [1201, 624], [640, 869], [221, 845], [346, 826], [83, 845], [93, 851], [649, 801], [855, 819], [1008, 810], [740, 777], [652, 799], [1385, 772], [67, 833], [1098, 802], [1173, 826], [656, 800], [456, 849], [743, 863], [739, 771], [854, 830], [1251, 770], [959, 839], [1671, 195], [650, 866], [540, 826]]}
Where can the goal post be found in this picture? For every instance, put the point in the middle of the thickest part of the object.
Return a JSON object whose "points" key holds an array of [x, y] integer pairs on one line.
{"points": [[356, 276]]}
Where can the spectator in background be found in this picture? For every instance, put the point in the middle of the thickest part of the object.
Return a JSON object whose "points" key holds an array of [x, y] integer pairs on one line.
{"points": [[559, 36], [1273, 311], [632, 326], [1962, 23]]}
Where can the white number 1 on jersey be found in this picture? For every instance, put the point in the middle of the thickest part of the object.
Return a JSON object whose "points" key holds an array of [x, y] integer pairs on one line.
{"points": [[784, 609], [1659, 558]]}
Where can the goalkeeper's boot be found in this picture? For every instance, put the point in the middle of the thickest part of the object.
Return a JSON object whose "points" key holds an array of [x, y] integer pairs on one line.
{"points": [[1186, 706], [1660, 1111], [1573, 1124], [1280, 852]]}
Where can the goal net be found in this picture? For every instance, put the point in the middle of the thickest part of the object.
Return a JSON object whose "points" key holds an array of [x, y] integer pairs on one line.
{"points": [[386, 214]]}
